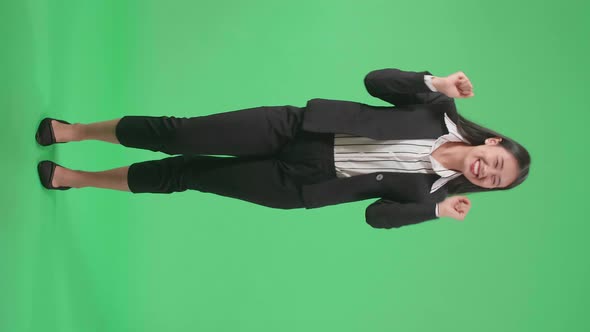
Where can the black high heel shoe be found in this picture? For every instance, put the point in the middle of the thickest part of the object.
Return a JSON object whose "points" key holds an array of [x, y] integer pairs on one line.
{"points": [[45, 135], [46, 169]]}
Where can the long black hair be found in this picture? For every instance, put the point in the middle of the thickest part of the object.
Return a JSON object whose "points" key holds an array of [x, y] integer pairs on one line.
{"points": [[476, 135]]}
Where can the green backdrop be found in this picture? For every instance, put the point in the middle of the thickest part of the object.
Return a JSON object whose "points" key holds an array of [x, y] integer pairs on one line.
{"points": [[100, 260]]}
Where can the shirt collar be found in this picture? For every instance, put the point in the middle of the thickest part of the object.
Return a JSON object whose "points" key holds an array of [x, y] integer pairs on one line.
{"points": [[445, 174]]}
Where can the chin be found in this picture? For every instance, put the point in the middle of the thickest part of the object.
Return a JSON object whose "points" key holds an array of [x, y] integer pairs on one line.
{"points": [[472, 181]]}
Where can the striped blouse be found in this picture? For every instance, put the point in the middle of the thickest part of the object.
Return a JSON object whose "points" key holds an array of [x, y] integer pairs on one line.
{"points": [[354, 155]]}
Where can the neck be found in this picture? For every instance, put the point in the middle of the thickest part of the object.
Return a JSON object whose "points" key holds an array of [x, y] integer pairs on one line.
{"points": [[452, 155]]}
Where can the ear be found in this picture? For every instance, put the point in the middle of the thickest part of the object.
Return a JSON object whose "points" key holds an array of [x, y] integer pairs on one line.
{"points": [[493, 140]]}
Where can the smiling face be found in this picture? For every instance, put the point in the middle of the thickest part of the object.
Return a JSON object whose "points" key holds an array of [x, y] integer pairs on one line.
{"points": [[490, 165]]}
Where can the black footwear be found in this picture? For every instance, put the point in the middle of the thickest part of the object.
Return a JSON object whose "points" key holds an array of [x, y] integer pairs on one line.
{"points": [[46, 169], [44, 135]]}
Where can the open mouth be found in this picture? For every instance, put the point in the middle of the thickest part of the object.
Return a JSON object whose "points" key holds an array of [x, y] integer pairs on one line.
{"points": [[475, 167]]}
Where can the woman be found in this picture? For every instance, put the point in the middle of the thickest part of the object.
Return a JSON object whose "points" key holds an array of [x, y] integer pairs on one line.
{"points": [[413, 155]]}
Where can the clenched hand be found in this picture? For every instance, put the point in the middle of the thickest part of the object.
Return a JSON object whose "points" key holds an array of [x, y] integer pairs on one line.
{"points": [[456, 85], [454, 207]]}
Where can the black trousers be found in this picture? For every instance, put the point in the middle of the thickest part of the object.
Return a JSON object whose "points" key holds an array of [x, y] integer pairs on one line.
{"points": [[265, 155]]}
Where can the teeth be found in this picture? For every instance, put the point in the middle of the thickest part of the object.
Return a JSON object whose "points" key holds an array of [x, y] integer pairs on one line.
{"points": [[477, 168]]}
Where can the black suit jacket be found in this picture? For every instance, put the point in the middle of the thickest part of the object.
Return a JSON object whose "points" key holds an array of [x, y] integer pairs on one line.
{"points": [[418, 114]]}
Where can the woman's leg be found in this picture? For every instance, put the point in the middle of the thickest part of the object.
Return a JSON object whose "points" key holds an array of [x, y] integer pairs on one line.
{"points": [[257, 180], [115, 179], [258, 131], [102, 131]]}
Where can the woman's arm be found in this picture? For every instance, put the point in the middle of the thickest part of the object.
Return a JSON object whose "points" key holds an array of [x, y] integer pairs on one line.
{"points": [[385, 213], [400, 87]]}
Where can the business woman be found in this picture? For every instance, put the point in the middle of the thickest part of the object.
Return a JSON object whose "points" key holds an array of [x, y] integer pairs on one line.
{"points": [[415, 156]]}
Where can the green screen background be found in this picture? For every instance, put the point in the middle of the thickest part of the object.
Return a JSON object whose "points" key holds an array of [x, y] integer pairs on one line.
{"points": [[100, 260]]}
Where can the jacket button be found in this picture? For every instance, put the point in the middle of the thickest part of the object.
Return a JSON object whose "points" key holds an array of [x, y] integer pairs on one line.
{"points": [[379, 177]]}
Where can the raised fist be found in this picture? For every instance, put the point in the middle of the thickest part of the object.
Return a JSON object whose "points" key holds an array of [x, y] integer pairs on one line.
{"points": [[456, 85], [455, 207]]}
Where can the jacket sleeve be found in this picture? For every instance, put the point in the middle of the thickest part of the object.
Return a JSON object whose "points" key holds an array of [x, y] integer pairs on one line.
{"points": [[400, 87], [385, 213]]}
